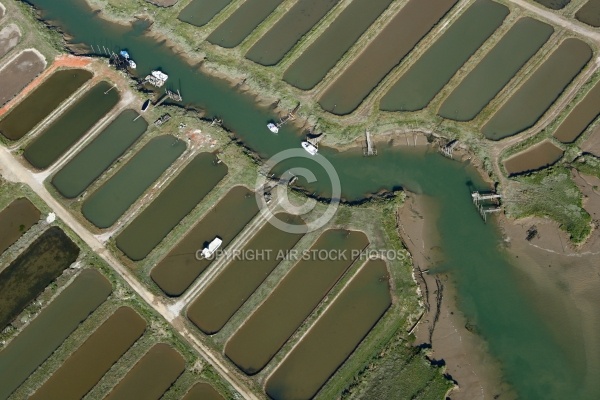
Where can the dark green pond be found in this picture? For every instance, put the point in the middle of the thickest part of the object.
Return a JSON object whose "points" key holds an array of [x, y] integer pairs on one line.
{"points": [[286, 32], [554, 4], [101, 153], [242, 22], [172, 204], [590, 13], [526, 106], [535, 361], [496, 69], [38, 266], [200, 12], [434, 69], [42, 101], [106, 205], [318, 58], [50, 328], [71, 126]]}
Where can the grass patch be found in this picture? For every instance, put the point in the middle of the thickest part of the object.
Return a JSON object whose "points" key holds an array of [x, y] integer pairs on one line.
{"points": [[399, 372], [550, 193], [588, 164]]}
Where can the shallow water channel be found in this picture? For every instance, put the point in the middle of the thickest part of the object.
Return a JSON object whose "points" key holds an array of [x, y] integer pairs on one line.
{"points": [[534, 360]]}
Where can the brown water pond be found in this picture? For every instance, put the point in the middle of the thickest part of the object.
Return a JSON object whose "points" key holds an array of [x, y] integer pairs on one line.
{"points": [[434, 69], [200, 12], [88, 364], [496, 69], [50, 328], [580, 117], [18, 73], [242, 22], [42, 101], [111, 200], [180, 268], [38, 266], [91, 162], [286, 32], [334, 336], [316, 61], [590, 13], [151, 376], [382, 54], [71, 126], [217, 303], [536, 157], [525, 107], [171, 206], [15, 220], [202, 391], [10, 36], [294, 299]]}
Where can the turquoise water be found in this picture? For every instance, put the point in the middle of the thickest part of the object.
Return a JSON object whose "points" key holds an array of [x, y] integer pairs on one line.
{"points": [[533, 360]]}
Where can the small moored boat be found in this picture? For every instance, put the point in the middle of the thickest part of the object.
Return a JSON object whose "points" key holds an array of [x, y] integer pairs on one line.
{"points": [[272, 127], [209, 250], [310, 148], [145, 105]]}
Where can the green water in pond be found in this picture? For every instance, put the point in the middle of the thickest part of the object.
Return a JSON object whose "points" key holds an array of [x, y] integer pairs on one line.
{"points": [[532, 358], [106, 205], [496, 69], [71, 126], [42, 101], [172, 204], [419, 85], [95, 158], [525, 107]]}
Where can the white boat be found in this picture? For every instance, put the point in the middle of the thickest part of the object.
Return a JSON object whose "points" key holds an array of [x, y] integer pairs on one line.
{"points": [[132, 64], [272, 127], [124, 54], [311, 148], [209, 250], [160, 75]]}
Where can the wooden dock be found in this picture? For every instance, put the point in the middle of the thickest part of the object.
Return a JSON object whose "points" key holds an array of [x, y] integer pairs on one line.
{"points": [[486, 203], [369, 149]]}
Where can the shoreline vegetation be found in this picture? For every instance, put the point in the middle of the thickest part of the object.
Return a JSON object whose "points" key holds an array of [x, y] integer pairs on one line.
{"points": [[484, 156]]}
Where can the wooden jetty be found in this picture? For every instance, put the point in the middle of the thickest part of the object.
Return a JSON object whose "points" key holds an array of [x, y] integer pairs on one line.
{"points": [[448, 148], [369, 149], [486, 203], [289, 117]]}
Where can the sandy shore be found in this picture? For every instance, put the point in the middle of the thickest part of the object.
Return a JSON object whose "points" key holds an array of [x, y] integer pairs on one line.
{"points": [[466, 359]]}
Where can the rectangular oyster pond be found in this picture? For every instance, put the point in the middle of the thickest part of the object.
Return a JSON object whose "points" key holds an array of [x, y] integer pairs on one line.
{"points": [[293, 300]]}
